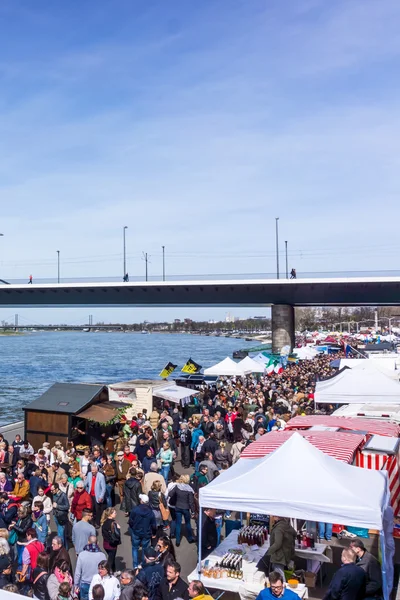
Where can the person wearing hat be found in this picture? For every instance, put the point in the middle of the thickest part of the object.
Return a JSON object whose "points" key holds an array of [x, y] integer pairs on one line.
{"points": [[152, 572], [142, 527], [122, 467]]}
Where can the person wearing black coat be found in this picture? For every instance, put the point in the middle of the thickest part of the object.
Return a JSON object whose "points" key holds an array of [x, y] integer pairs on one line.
{"points": [[185, 439], [211, 445], [349, 582], [5, 570], [182, 498], [209, 537], [132, 489], [111, 533], [8, 510]]}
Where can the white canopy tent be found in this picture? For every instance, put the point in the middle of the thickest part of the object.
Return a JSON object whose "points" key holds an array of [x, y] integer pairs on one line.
{"points": [[175, 393], [227, 367], [261, 358], [386, 367], [336, 493], [305, 352], [252, 365], [358, 386]]}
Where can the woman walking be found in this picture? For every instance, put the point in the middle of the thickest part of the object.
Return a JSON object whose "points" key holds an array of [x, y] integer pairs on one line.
{"points": [[166, 456], [182, 496], [40, 575], [111, 533], [110, 583], [158, 504]]}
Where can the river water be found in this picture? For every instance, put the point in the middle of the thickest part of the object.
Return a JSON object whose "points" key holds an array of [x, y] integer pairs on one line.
{"points": [[32, 362]]}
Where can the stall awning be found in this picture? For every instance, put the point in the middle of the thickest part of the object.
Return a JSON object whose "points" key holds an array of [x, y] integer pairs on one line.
{"points": [[341, 446], [175, 393], [350, 423], [103, 412]]}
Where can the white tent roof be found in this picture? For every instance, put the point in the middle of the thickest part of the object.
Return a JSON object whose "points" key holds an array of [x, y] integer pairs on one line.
{"points": [[227, 367], [175, 393], [248, 364], [305, 353], [261, 358], [358, 386], [335, 493], [386, 367]]}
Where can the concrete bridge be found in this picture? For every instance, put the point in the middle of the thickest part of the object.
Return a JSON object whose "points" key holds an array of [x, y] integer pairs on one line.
{"points": [[281, 294]]}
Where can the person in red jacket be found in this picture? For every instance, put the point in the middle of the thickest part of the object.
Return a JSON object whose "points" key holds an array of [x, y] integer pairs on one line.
{"points": [[80, 501], [31, 552], [229, 420], [129, 455]]}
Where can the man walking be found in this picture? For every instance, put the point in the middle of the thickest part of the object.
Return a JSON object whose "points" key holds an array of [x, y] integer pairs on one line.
{"points": [[142, 527], [60, 510], [349, 581], [152, 572], [87, 566], [82, 530], [368, 563], [95, 485], [172, 585], [122, 468]]}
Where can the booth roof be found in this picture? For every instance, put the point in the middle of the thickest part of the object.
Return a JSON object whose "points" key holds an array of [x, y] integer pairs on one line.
{"points": [[67, 398], [249, 364], [299, 481], [226, 367], [175, 393], [103, 412], [340, 445], [349, 423], [358, 386]]}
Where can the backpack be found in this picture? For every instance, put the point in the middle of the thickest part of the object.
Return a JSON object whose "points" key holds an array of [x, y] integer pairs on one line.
{"points": [[194, 482]]}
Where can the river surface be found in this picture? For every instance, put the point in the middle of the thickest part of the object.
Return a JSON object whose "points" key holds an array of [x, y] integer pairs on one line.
{"points": [[32, 362]]}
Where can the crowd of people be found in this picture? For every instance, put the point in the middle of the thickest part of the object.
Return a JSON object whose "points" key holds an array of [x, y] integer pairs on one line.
{"points": [[57, 503]]}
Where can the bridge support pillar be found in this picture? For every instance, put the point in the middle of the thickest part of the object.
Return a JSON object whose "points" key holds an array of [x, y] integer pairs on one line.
{"points": [[282, 325]]}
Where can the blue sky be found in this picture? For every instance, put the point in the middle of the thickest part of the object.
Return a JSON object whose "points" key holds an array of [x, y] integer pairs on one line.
{"points": [[195, 124]]}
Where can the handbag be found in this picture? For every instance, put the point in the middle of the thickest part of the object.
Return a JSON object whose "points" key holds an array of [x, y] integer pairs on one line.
{"points": [[115, 535], [12, 537], [164, 510]]}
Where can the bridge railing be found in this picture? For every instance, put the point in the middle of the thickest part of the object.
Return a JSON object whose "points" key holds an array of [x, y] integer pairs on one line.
{"points": [[208, 276]]}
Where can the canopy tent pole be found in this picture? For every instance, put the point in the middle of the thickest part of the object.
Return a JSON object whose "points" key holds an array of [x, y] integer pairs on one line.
{"points": [[199, 536]]}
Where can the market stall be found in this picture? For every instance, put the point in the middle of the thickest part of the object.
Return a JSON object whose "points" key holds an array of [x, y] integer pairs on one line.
{"points": [[252, 579], [336, 493], [340, 445], [357, 385], [252, 365], [227, 368]]}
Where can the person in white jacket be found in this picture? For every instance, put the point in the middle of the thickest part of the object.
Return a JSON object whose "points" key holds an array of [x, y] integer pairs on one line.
{"points": [[47, 503], [112, 588]]}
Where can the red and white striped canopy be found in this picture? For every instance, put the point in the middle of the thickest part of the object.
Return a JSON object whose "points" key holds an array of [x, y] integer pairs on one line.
{"points": [[354, 423], [341, 446]]}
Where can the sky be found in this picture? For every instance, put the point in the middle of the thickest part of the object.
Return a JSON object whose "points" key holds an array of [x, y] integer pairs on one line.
{"points": [[196, 124]]}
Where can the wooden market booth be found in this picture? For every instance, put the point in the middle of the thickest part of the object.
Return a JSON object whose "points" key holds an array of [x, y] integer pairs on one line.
{"points": [[66, 409]]}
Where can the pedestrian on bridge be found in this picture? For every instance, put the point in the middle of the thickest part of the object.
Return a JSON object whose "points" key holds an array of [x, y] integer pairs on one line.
{"points": [[30, 279]]}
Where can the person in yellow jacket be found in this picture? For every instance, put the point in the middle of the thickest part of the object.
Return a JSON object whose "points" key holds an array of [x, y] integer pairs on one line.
{"points": [[21, 488], [197, 591]]}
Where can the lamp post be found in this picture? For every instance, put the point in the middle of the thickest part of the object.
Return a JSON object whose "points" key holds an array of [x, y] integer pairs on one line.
{"points": [[58, 266], [163, 263], [287, 269], [124, 231], [277, 246]]}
